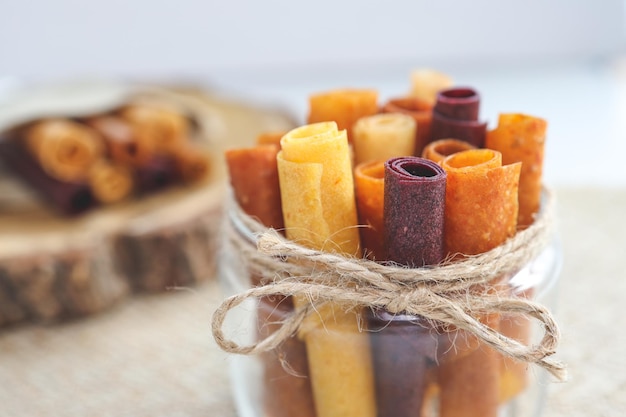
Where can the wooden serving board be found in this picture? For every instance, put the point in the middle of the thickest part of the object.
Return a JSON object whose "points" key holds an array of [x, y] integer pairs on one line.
{"points": [[54, 268]]}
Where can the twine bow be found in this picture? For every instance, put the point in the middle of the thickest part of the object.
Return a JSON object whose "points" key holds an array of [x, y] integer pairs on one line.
{"points": [[442, 294]]}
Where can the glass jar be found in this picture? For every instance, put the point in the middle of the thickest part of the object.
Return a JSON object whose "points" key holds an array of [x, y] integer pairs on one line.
{"points": [[418, 368]]}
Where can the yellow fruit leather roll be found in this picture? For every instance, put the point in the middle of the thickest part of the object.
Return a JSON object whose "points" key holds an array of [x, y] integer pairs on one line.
{"points": [[110, 182], [343, 106], [163, 129], [383, 136], [480, 214], [440, 149], [317, 194], [64, 149]]}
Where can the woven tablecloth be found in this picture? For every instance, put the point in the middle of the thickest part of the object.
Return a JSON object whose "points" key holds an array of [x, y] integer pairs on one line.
{"points": [[154, 355]]}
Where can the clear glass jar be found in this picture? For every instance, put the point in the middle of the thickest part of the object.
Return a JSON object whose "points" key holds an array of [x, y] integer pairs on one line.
{"points": [[418, 369]]}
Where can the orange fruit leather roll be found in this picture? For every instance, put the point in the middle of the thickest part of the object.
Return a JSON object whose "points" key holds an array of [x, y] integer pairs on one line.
{"points": [[440, 149], [163, 129], [521, 138], [254, 179], [342, 106], [270, 138], [122, 145], [421, 111], [481, 213], [370, 189], [383, 136], [110, 182], [192, 163], [426, 83], [317, 190], [65, 150]]}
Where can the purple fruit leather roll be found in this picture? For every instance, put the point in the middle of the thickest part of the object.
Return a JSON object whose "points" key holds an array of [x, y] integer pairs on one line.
{"points": [[456, 115]]}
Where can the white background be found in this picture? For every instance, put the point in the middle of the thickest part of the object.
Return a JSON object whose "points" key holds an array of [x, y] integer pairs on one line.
{"points": [[559, 59]]}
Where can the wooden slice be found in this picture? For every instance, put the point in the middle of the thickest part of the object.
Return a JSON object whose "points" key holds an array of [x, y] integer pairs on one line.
{"points": [[54, 268]]}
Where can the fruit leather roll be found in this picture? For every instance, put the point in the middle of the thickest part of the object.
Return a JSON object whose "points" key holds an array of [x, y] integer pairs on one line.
{"points": [[481, 213], [110, 182], [427, 83], [455, 115], [438, 150], [164, 130], [69, 198], [270, 138], [156, 174], [404, 346], [253, 176], [317, 191], [122, 145], [521, 138], [421, 111], [370, 196], [64, 149], [343, 106], [192, 163], [383, 136]]}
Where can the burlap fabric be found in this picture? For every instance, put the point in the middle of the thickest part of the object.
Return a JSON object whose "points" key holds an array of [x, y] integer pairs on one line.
{"points": [[154, 355]]}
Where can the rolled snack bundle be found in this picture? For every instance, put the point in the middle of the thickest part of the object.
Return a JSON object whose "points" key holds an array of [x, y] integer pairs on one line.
{"points": [[270, 138], [253, 176], [342, 106], [456, 114], [122, 145], [192, 163], [317, 191], [421, 111], [521, 138], [370, 196], [65, 150], [69, 198], [438, 150], [403, 345], [481, 213], [383, 136], [426, 84], [164, 130], [110, 182]]}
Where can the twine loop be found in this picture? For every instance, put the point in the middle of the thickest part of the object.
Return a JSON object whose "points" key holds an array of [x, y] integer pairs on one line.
{"points": [[454, 295]]}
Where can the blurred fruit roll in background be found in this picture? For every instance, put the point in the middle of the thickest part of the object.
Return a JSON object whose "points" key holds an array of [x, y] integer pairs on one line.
{"points": [[164, 130], [403, 346], [110, 182], [64, 149], [122, 145], [427, 83], [317, 191], [192, 163], [480, 214], [344, 107], [383, 136], [456, 115]]}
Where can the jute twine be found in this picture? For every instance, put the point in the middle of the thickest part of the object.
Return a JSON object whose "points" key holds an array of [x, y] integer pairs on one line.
{"points": [[445, 294]]}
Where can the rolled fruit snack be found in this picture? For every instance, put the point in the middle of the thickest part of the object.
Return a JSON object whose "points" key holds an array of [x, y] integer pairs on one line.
{"points": [[481, 213], [520, 138], [421, 111], [383, 136], [317, 192], [456, 115], [64, 149], [69, 198], [192, 163], [370, 191], [270, 138], [110, 182], [342, 106], [254, 178], [404, 346], [163, 129], [426, 84], [438, 150], [122, 145]]}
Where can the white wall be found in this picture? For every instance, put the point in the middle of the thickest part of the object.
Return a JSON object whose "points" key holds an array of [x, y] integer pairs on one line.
{"points": [[49, 38]]}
